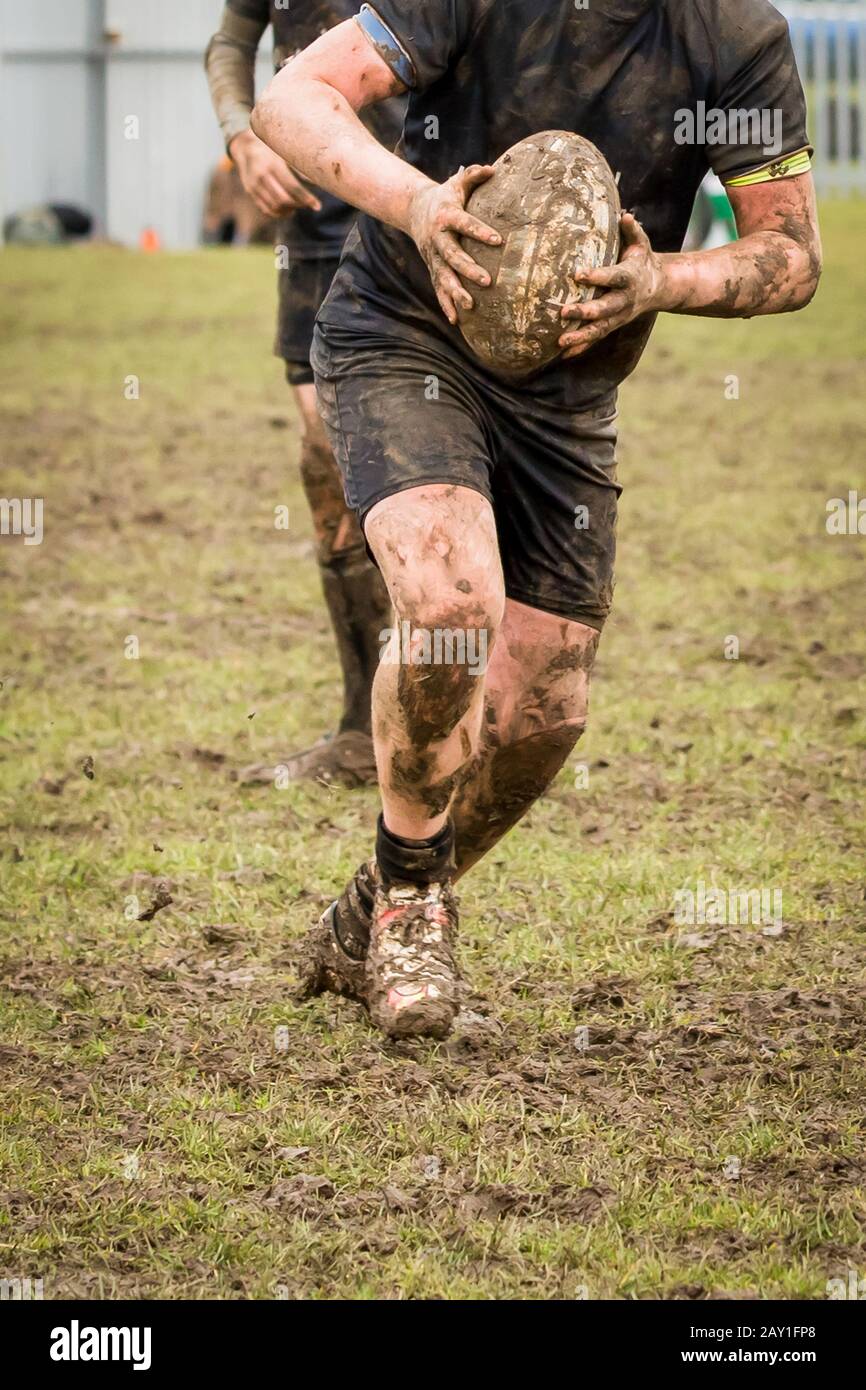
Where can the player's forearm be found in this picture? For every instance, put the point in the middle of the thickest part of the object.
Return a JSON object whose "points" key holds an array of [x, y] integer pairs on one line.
{"points": [[315, 130], [764, 273], [230, 64]]}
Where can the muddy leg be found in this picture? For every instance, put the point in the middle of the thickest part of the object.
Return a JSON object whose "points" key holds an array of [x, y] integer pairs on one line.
{"points": [[354, 590], [437, 549], [537, 697]]}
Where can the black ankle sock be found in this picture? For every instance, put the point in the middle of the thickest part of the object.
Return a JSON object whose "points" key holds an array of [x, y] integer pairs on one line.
{"points": [[414, 861]]}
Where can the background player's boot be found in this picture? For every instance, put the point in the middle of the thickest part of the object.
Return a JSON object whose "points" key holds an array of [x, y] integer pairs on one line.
{"points": [[360, 611], [332, 959], [412, 978], [344, 759]]}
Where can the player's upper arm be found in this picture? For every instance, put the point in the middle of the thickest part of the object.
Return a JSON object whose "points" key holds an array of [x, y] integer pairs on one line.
{"points": [[787, 206], [241, 26], [782, 205], [758, 92], [346, 60]]}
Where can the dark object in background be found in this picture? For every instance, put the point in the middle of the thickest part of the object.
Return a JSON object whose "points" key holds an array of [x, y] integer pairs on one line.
{"points": [[74, 221], [51, 224]]}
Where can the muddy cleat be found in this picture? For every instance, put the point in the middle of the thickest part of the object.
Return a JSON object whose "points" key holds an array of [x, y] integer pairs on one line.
{"points": [[353, 911], [345, 760], [412, 979], [332, 958], [325, 968]]}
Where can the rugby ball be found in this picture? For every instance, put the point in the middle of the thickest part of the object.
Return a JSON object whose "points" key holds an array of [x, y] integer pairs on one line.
{"points": [[554, 201]]}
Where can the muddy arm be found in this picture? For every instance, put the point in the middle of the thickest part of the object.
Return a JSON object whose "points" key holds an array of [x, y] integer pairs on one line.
{"points": [[230, 65], [308, 115], [773, 269]]}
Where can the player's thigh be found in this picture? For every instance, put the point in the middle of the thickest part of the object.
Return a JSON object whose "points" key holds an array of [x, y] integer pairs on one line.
{"points": [[412, 441]]}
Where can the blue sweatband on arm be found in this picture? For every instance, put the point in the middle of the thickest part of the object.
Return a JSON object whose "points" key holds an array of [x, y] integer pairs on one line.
{"points": [[387, 46]]}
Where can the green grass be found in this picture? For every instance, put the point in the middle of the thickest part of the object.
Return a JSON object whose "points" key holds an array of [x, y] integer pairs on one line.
{"points": [[151, 1111]]}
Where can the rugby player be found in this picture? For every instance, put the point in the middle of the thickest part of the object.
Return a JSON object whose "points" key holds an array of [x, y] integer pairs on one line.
{"points": [[467, 493]]}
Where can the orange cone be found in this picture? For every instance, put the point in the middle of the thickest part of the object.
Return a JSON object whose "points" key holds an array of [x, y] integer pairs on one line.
{"points": [[149, 240]]}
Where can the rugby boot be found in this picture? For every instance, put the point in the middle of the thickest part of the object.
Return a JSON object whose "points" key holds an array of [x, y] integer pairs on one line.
{"points": [[412, 979], [332, 959], [344, 759]]}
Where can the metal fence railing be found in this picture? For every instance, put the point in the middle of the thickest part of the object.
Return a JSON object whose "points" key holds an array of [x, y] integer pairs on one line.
{"points": [[829, 38]]}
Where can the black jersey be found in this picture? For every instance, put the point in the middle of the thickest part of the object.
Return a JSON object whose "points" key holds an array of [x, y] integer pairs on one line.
{"points": [[648, 81]]}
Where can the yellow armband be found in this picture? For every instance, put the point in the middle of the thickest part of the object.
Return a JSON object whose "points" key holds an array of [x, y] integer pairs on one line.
{"points": [[800, 162]]}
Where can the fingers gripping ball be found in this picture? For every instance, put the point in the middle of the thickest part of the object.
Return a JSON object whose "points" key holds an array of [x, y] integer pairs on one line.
{"points": [[555, 202]]}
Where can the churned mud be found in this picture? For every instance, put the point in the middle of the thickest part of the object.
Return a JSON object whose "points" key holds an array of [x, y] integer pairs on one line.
{"points": [[630, 1106]]}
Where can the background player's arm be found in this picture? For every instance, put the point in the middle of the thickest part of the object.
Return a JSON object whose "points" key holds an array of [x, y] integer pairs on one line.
{"points": [[773, 269], [308, 115], [230, 64]]}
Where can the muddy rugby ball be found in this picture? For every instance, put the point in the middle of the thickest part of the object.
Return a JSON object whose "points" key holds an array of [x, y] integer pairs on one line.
{"points": [[554, 201]]}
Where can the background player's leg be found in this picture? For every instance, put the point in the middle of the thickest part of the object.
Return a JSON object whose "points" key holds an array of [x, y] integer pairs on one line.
{"points": [[358, 608], [536, 704], [354, 590]]}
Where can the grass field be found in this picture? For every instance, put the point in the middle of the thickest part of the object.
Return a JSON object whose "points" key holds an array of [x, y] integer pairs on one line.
{"points": [[172, 1124]]}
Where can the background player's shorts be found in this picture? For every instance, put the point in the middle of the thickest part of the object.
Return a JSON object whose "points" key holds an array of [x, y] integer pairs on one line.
{"points": [[404, 412], [302, 287]]}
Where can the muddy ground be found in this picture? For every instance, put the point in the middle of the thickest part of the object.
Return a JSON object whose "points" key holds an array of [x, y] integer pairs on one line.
{"points": [[632, 1107]]}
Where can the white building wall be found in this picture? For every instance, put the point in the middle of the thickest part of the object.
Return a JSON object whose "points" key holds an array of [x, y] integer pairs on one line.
{"points": [[51, 100], [72, 72]]}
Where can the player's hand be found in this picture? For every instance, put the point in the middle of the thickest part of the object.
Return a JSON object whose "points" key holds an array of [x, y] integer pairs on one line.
{"points": [[630, 288], [437, 218], [273, 187]]}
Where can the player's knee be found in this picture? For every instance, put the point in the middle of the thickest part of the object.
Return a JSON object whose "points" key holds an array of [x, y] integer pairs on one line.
{"points": [[558, 718], [337, 531], [570, 730], [545, 750], [560, 697], [566, 711], [460, 619], [315, 434], [341, 548], [463, 599], [437, 549], [318, 465]]}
